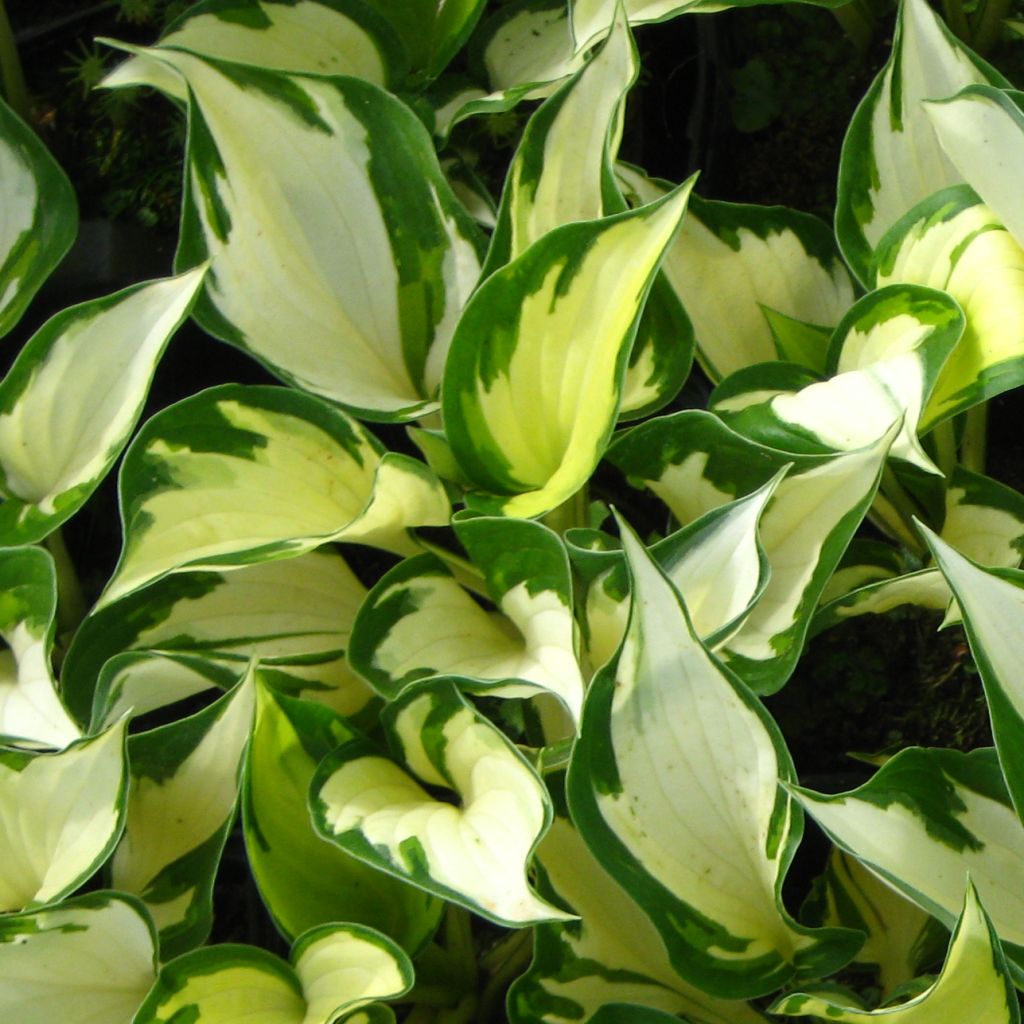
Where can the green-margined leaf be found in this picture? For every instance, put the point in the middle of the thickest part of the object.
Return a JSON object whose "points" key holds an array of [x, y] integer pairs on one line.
{"points": [[30, 709], [891, 158], [349, 286], [973, 985], [181, 802], [729, 261], [418, 621], [865, 561], [900, 935], [73, 397], [560, 171], [323, 37], [613, 953], [886, 353], [797, 341], [237, 475], [993, 612], [294, 615], [35, 233], [981, 130], [952, 241], [304, 880], [716, 563], [551, 331], [983, 520], [91, 959], [60, 816], [673, 784], [335, 970], [475, 853], [694, 462], [923, 822]]}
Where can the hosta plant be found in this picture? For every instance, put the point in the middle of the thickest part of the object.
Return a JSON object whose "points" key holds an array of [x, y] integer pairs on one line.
{"points": [[484, 705]]}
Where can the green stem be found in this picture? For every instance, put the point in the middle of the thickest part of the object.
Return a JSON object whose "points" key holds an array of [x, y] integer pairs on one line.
{"points": [[12, 77], [71, 606], [857, 22], [988, 23], [956, 19], [975, 443], [571, 513], [944, 439], [518, 949], [884, 515]]}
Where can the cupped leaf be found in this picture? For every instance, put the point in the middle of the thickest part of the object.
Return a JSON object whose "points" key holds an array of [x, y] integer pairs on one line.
{"points": [[981, 130], [925, 821], [474, 853], [716, 563], [887, 353], [293, 615], [551, 331], [613, 953], [952, 241], [335, 970], [418, 620], [35, 232], [993, 612], [304, 880], [694, 462], [560, 171], [237, 475], [181, 802], [673, 784], [31, 711], [891, 158], [974, 984], [350, 286], [92, 959], [323, 37], [73, 397], [899, 934], [729, 261], [60, 816]]}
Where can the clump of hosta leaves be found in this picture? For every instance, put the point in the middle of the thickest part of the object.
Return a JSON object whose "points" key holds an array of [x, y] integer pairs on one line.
{"points": [[516, 762]]}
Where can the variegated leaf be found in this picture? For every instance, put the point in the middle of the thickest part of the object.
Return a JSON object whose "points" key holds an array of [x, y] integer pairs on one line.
{"points": [[983, 520], [694, 462], [73, 397], [91, 959], [475, 853], [335, 970], [35, 233], [613, 953], [304, 880], [184, 787], [899, 934], [418, 621], [560, 171], [350, 286], [973, 985], [31, 711], [552, 332], [887, 353], [729, 261], [716, 563], [993, 611], [952, 241], [60, 816], [891, 159], [673, 784], [293, 615], [981, 130], [237, 475], [336, 37], [925, 821]]}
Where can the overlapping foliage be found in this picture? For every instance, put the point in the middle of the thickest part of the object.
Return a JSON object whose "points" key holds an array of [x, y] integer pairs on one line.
{"points": [[527, 763]]}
